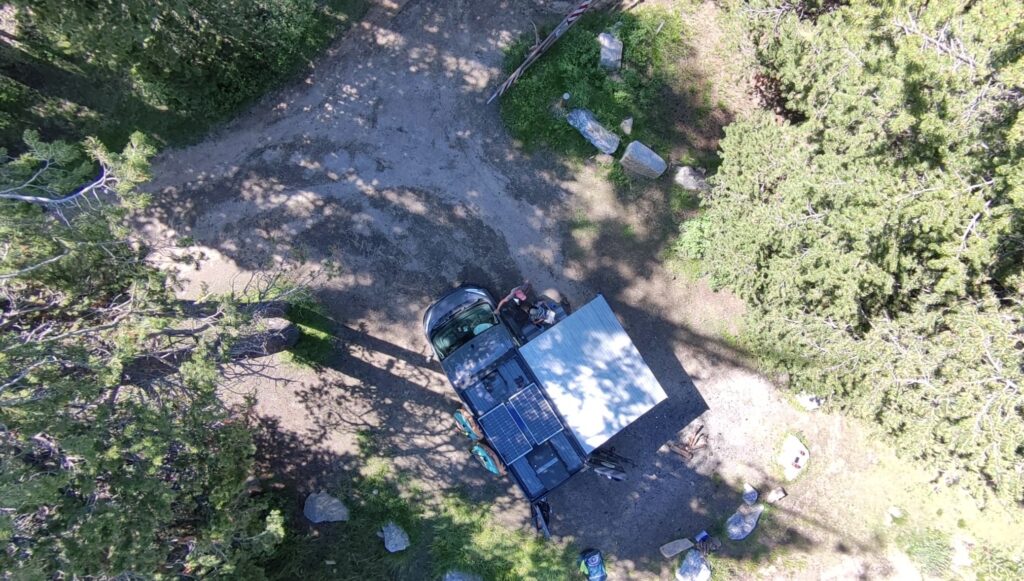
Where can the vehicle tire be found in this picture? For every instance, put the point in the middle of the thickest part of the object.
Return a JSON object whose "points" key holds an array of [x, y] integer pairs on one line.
{"points": [[488, 458]]}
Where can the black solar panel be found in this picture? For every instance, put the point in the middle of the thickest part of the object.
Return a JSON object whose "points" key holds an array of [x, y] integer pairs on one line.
{"points": [[508, 440], [533, 407]]}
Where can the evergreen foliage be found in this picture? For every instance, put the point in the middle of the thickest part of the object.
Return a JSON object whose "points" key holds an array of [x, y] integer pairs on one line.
{"points": [[878, 235], [117, 458], [169, 68]]}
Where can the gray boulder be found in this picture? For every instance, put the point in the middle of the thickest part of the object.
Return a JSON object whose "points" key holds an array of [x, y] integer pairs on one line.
{"points": [[743, 521], [611, 51], [694, 567], [690, 178], [395, 539], [322, 507], [460, 576], [585, 122], [641, 160]]}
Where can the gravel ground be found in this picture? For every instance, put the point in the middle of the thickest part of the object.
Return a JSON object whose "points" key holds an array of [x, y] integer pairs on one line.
{"points": [[384, 172]]}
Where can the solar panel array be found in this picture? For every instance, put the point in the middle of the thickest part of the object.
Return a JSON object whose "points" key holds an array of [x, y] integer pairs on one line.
{"points": [[536, 412], [508, 440]]}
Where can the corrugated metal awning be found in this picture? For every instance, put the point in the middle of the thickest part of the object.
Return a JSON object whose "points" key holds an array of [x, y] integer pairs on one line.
{"points": [[593, 374]]}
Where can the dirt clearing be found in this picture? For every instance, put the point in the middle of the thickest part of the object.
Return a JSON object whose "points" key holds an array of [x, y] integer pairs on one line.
{"points": [[384, 172]]}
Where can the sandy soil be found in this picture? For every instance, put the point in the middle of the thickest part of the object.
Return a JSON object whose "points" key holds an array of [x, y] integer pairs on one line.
{"points": [[385, 172]]}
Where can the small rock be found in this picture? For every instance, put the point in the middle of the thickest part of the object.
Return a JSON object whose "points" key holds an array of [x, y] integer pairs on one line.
{"points": [[322, 507], [330, 562], [611, 51], [627, 125], [395, 539], [604, 159], [692, 179], [808, 401], [669, 550], [775, 495], [588, 126], [694, 567], [892, 515], [641, 160], [793, 457], [742, 522], [460, 576], [749, 494]]}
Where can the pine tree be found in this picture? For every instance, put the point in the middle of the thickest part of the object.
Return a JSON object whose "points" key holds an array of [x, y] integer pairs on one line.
{"points": [[878, 234], [117, 457]]}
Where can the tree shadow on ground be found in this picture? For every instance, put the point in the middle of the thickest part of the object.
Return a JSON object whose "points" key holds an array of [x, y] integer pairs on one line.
{"points": [[392, 224]]}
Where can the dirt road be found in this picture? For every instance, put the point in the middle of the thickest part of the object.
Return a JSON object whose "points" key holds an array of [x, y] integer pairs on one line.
{"points": [[385, 171]]}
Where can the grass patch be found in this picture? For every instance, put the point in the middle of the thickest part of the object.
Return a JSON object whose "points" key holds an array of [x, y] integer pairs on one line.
{"points": [[458, 535], [991, 564], [653, 40], [683, 201], [685, 254], [352, 550], [466, 538], [580, 222], [316, 342], [929, 548], [765, 545]]}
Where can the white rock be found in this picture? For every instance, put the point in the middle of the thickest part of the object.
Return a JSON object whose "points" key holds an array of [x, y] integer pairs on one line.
{"points": [[749, 494], [641, 160], [775, 495], [626, 126], [322, 507], [669, 550], [808, 401], [611, 51], [692, 179], [793, 457], [395, 539]]}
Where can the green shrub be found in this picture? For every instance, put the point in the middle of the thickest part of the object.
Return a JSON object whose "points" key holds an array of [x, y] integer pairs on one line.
{"points": [[653, 40], [930, 549], [316, 341], [204, 61]]}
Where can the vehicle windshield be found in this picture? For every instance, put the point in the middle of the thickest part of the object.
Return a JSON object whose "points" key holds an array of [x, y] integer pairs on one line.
{"points": [[462, 328]]}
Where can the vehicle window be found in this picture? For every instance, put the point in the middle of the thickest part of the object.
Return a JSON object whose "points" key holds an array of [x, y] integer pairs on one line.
{"points": [[462, 328]]}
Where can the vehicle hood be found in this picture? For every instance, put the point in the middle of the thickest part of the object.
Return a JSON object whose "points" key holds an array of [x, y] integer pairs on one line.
{"points": [[465, 365], [453, 301]]}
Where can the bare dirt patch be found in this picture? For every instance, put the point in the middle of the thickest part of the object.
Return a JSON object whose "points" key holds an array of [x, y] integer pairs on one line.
{"points": [[385, 172]]}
